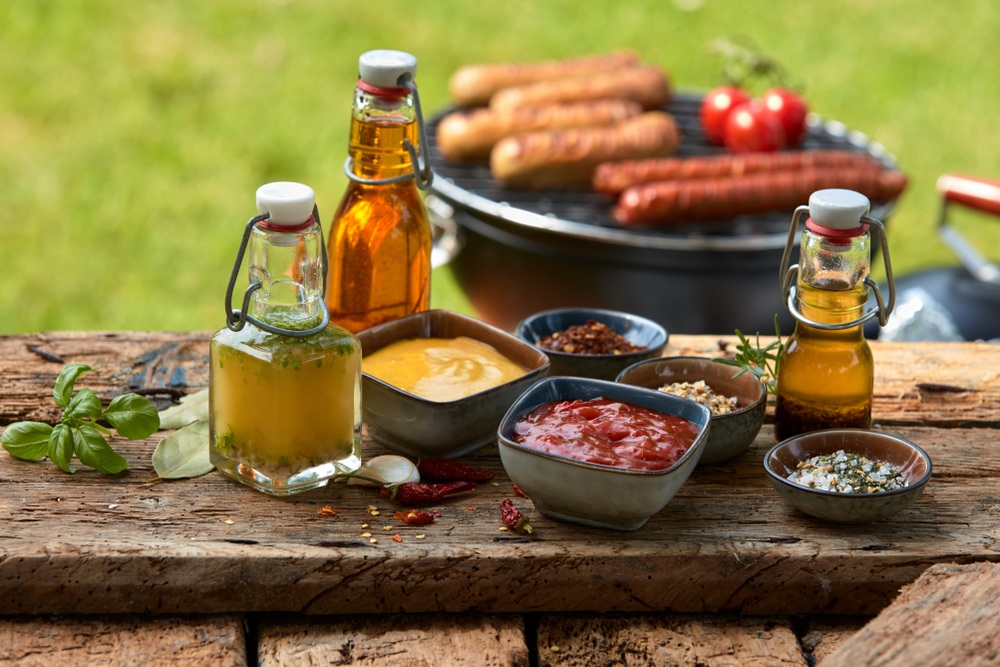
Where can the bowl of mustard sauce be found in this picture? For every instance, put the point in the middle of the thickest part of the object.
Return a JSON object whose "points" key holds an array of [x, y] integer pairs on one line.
{"points": [[437, 383]]}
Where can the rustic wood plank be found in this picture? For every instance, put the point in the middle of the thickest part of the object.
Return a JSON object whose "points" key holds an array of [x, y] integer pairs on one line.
{"points": [[668, 640], [92, 543], [209, 641], [428, 640], [948, 617]]}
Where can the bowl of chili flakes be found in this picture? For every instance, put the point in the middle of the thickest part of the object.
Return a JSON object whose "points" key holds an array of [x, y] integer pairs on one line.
{"points": [[599, 453], [592, 342]]}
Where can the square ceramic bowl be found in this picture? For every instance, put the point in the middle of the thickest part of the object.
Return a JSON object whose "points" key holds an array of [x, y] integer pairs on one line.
{"points": [[589, 493], [633, 328], [731, 433], [837, 507], [420, 427]]}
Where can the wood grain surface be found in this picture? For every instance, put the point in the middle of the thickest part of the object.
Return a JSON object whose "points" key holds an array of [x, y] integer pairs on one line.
{"points": [[89, 543]]}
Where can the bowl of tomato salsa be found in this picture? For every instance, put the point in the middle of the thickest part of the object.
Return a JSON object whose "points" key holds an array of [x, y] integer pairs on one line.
{"points": [[601, 453]]}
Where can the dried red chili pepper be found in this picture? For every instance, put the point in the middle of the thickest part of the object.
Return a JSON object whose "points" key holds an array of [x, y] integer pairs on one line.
{"points": [[445, 470], [416, 493], [512, 517], [591, 338], [412, 517]]}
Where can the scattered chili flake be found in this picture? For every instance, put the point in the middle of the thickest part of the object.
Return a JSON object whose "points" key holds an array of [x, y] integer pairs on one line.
{"points": [[326, 510], [437, 513], [420, 536], [471, 508], [414, 517], [847, 472], [591, 338], [512, 517], [518, 491], [397, 538], [446, 470]]}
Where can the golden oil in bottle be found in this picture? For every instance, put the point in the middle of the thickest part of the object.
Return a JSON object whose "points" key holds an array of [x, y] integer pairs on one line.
{"points": [[379, 244]]}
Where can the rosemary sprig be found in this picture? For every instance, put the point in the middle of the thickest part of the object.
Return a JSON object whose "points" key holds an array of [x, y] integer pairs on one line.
{"points": [[762, 362]]}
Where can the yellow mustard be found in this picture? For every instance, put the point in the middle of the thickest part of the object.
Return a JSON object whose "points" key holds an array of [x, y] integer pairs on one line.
{"points": [[441, 369]]}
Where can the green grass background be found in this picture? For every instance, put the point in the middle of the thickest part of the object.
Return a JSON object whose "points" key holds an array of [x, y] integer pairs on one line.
{"points": [[133, 135]]}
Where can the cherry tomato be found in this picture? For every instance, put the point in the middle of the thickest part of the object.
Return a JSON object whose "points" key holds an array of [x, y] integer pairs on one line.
{"points": [[791, 110], [715, 108], [753, 127]]}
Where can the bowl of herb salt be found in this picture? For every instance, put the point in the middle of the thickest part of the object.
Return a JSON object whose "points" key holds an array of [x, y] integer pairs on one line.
{"points": [[848, 475]]}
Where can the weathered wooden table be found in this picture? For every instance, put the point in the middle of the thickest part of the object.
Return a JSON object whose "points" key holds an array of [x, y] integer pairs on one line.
{"points": [[208, 570]]}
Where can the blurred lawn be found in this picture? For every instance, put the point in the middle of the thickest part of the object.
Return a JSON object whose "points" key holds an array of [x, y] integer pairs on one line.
{"points": [[134, 134]]}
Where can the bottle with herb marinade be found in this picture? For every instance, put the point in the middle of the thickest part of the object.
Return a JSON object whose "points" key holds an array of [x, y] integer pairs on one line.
{"points": [[826, 368], [380, 237], [284, 383]]}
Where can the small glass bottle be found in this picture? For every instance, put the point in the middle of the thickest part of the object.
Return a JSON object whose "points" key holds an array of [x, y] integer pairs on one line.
{"points": [[380, 238], [826, 369], [284, 383]]}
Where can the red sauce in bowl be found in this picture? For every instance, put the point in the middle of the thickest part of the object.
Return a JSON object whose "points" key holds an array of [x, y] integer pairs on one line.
{"points": [[607, 432]]}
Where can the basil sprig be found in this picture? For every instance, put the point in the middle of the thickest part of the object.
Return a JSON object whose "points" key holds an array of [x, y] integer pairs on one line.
{"points": [[79, 431]]}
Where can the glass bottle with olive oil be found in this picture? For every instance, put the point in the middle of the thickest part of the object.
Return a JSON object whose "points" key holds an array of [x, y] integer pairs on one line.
{"points": [[284, 384], [380, 238], [826, 369]]}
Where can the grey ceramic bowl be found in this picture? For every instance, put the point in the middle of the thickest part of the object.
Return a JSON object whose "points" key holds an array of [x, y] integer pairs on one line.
{"points": [[633, 328], [731, 433], [588, 493], [420, 427], [843, 507]]}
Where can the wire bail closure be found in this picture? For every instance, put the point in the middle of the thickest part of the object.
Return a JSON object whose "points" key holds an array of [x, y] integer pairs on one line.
{"points": [[788, 276], [421, 167], [237, 319]]}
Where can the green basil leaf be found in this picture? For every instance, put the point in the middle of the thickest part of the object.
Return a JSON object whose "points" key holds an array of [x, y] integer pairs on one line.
{"points": [[183, 453], [85, 404], [192, 408], [61, 447], [27, 440], [63, 390], [133, 416], [93, 450]]}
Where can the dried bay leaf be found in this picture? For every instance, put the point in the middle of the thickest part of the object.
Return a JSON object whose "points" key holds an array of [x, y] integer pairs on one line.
{"points": [[184, 453], [192, 408]]}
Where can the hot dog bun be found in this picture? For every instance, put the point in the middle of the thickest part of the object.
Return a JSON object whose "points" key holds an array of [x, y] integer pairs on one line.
{"points": [[556, 158], [646, 85], [471, 135], [474, 84]]}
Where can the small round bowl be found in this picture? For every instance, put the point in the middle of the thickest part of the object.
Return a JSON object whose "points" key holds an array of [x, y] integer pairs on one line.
{"points": [[848, 507], [420, 427], [592, 494], [635, 329], [732, 433]]}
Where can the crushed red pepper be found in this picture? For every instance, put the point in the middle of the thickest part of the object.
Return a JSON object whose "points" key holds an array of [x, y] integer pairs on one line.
{"points": [[412, 517], [415, 493], [512, 517], [591, 338]]}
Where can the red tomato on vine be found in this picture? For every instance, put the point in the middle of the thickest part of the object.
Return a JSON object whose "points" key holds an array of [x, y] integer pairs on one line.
{"points": [[715, 109], [753, 127], [791, 110]]}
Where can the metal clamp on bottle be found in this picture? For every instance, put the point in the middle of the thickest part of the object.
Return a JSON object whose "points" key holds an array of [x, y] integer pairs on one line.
{"points": [[859, 224], [237, 319]]}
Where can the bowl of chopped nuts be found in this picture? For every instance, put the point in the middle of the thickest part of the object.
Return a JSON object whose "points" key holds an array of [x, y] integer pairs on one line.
{"points": [[848, 475], [737, 402], [592, 342]]}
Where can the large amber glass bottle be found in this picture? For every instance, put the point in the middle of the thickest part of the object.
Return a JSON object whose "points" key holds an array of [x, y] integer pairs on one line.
{"points": [[826, 370], [380, 238], [284, 384]]}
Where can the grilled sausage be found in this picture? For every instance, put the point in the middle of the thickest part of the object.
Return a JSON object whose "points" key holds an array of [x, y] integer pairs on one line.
{"points": [[614, 177], [555, 158], [475, 84], [666, 202], [470, 135], [647, 85]]}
